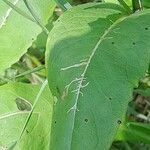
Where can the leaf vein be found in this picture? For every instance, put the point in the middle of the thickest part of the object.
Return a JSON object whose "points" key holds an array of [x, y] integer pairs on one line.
{"points": [[103, 37]]}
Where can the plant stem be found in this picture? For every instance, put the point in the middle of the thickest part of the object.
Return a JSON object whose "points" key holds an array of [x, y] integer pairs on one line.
{"points": [[127, 8], [31, 71], [137, 5], [38, 21], [4, 80]]}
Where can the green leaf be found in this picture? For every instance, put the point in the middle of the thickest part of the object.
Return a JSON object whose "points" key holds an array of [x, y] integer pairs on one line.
{"points": [[146, 3], [12, 118], [42, 37], [129, 2], [134, 131], [16, 32], [95, 57], [144, 92]]}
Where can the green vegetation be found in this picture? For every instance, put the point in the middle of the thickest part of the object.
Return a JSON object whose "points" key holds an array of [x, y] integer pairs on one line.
{"points": [[74, 75]]}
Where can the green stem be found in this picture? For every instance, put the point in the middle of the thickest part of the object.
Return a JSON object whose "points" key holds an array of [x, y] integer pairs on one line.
{"points": [[127, 8], [31, 71], [4, 80], [137, 5], [38, 21]]}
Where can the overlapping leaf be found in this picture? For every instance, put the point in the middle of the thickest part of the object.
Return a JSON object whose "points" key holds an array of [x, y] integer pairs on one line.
{"points": [[16, 32], [134, 131], [15, 100]]}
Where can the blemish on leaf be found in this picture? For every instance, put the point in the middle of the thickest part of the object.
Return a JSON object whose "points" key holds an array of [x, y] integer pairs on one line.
{"points": [[110, 98], [146, 28], [133, 43], [22, 104], [86, 120], [112, 43], [119, 122], [55, 122], [57, 90], [27, 131]]}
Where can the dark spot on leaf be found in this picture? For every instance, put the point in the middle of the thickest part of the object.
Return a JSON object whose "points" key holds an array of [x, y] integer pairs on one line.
{"points": [[86, 120], [27, 131], [58, 90], [113, 43], [119, 122], [133, 43], [110, 98], [32, 39], [23, 104], [146, 28], [55, 122]]}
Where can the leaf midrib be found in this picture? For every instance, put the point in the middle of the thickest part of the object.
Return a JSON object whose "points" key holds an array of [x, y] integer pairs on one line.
{"points": [[86, 68], [4, 116]]}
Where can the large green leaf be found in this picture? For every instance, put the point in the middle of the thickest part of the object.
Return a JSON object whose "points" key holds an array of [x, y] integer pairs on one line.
{"points": [[96, 59], [16, 32], [15, 102]]}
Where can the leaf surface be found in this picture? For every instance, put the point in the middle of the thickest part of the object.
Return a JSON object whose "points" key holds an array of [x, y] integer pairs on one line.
{"points": [[95, 57], [12, 118], [16, 32]]}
